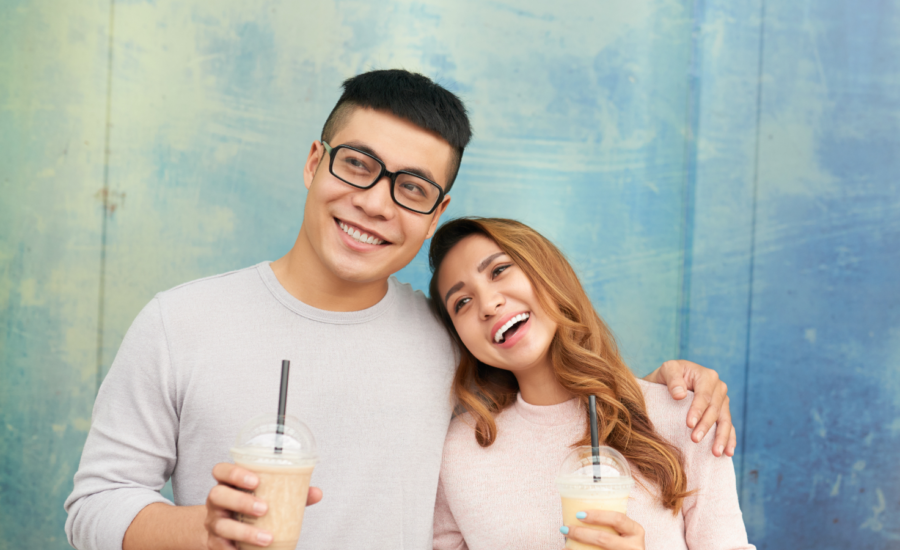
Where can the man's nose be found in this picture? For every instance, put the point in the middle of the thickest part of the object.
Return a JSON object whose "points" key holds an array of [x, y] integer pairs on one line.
{"points": [[376, 201]]}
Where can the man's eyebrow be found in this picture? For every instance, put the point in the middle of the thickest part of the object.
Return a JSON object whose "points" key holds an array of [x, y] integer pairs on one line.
{"points": [[424, 172], [484, 263], [453, 289]]}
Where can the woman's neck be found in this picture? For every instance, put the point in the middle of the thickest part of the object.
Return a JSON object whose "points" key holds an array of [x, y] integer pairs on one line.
{"points": [[540, 387]]}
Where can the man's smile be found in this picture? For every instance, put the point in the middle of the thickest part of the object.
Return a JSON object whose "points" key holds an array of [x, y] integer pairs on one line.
{"points": [[361, 235]]}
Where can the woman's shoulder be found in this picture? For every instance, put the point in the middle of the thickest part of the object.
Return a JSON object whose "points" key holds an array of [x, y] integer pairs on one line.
{"points": [[462, 426], [669, 416], [461, 434]]}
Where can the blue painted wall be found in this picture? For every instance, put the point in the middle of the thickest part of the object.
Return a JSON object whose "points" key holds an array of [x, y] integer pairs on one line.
{"points": [[722, 175]]}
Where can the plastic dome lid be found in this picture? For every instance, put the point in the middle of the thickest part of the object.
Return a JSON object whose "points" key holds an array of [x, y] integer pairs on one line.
{"points": [[259, 438], [581, 470]]}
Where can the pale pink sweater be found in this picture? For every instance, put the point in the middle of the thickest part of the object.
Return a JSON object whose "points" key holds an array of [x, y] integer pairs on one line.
{"points": [[504, 496]]}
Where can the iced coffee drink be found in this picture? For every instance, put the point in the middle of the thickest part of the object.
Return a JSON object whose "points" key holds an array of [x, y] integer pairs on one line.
{"points": [[283, 457], [599, 480]]}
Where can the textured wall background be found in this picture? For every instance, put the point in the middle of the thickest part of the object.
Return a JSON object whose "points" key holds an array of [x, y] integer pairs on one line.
{"points": [[723, 176]]}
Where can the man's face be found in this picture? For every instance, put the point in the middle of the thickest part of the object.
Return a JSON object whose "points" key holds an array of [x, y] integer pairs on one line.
{"points": [[336, 211]]}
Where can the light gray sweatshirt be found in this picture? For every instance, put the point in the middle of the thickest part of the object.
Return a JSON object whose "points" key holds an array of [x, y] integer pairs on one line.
{"points": [[203, 358]]}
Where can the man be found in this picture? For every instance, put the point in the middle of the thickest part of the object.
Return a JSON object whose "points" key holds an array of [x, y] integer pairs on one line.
{"points": [[371, 367]]}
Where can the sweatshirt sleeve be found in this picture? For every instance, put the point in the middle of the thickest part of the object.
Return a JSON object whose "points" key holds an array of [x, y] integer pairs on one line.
{"points": [[712, 515], [446, 533], [130, 450]]}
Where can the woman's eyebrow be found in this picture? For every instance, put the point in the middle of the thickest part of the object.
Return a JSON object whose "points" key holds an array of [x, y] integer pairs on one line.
{"points": [[453, 289], [484, 263]]}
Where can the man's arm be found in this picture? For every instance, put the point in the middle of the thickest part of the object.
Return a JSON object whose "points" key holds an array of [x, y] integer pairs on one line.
{"points": [[165, 527], [131, 448], [711, 402]]}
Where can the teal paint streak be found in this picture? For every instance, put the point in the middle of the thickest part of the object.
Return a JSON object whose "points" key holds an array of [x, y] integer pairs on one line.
{"points": [[51, 139], [101, 292]]}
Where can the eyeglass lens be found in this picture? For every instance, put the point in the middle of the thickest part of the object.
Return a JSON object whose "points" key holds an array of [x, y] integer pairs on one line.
{"points": [[362, 170]]}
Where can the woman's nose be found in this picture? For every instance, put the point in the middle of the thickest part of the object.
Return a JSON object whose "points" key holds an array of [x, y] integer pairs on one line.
{"points": [[491, 305]]}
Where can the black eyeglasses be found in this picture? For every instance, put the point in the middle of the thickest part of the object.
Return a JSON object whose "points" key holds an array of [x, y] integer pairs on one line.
{"points": [[362, 170]]}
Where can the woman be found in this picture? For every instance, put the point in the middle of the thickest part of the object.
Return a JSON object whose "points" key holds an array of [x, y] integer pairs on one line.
{"points": [[532, 350]]}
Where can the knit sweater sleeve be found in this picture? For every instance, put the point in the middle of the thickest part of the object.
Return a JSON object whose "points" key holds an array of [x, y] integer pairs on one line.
{"points": [[447, 535], [712, 515], [130, 451]]}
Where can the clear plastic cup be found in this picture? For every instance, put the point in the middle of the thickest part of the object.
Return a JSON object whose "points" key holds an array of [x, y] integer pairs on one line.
{"points": [[587, 483], [283, 476]]}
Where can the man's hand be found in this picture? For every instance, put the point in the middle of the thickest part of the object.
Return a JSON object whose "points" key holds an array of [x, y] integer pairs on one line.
{"points": [[628, 535], [711, 403], [229, 497]]}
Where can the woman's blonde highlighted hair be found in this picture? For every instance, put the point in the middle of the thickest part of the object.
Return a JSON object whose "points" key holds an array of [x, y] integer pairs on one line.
{"points": [[583, 354]]}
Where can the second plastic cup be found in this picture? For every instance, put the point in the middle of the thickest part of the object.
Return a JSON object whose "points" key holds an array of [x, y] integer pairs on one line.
{"points": [[284, 475], [587, 483]]}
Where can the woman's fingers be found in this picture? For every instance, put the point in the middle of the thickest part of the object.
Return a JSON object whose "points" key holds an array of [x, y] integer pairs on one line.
{"points": [[618, 521], [628, 534]]}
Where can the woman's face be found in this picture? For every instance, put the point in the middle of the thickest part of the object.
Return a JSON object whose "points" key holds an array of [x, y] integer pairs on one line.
{"points": [[494, 307]]}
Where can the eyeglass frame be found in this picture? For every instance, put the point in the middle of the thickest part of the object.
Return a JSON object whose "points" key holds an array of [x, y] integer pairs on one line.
{"points": [[384, 172]]}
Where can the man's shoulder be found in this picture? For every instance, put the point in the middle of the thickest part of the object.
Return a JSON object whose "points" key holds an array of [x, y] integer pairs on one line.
{"points": [[213, 284], [414, 305], [214, 299], [223, 288], [410, 296]]}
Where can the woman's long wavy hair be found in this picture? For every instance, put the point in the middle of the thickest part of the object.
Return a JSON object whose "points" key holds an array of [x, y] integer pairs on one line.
{"points": [[583, 355]]}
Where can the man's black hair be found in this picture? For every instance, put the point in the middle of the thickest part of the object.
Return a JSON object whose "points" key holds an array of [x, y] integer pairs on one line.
{"points": [[407, 95]]}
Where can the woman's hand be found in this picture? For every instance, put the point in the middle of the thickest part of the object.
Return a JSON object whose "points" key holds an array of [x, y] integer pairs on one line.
{"points": [[629, 535]]}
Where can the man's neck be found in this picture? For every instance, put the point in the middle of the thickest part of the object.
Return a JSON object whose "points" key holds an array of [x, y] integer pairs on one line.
{"points": [[303, 275]]}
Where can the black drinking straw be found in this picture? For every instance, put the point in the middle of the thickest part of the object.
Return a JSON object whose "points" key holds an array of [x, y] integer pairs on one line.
{"points": [[595, 436], [282, 402]]}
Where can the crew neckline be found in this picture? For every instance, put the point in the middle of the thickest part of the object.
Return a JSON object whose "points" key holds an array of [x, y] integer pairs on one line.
{"points": [[323, 316], [550, 415]]}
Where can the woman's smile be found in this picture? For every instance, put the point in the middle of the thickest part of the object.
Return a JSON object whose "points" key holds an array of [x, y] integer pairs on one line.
{"points": [[512, 328]]}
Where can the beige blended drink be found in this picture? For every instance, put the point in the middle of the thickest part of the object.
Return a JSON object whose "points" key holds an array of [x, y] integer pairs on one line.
{"points": [[283, 457], [593, 481]]}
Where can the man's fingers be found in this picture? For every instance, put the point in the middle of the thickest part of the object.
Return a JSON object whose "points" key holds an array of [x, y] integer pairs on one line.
{"points": [[230, 529], [218, 543], [732, 442], [724, 428], [230, 474], [314, 496], [673, 374], [226, 498]]}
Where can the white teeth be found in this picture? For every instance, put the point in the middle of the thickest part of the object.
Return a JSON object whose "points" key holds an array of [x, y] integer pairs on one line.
{"points": [[360, 237], [499, 334]]}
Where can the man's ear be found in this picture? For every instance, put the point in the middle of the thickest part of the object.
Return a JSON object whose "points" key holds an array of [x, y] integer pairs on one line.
{"points": [[316, 155], [437, 216]]}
